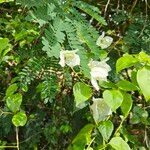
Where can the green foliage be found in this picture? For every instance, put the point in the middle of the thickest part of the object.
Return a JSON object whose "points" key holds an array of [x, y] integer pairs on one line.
{"points": [[126, 85], [106, 128], [82, 92], [14, 101], [143, 80], [118, 143], [83, 138], [113, 98], [60, 105], [19, 119], [125, 62], [126, 104]]}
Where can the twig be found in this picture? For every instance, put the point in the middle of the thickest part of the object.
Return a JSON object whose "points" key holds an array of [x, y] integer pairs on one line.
{"points": [[90, 143], [120, 125], [8, 146], [106, 7], [17, 138], [134, 3], [4, 112], [118, 4]]}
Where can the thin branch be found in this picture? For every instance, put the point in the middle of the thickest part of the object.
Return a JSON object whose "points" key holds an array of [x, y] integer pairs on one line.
{"points": [[17, 138], [134, 4], [8, 146], [4, 112], [106, 7], [120, 125]]}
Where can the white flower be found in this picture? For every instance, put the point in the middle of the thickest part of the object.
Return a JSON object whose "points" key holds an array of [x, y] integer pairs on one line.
{"points": [[100, 109], [99, 71], [69, 57], [104, 41]]}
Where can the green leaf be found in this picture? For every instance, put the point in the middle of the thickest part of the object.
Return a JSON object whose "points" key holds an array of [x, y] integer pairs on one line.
{"points": [[11, 89], [53, 50], [106, 128], [138, 115], [4, 1], [143, 79], [19, 119], [126, 104], [108, 85], [119, 144], [82, 92], [84, 61], [4, 47], [83, 138], [143, 57], [91, 10], [113, 98], [125, 62], [100, 110], [14, 101], [103, 54], [126, 85]]}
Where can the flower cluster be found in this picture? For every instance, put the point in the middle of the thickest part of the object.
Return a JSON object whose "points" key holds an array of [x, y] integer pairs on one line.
{"points": [[99, 69]]}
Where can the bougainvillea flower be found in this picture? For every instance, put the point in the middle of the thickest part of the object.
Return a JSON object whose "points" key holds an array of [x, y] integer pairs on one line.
{"points": [[104, 41], [69, 57], [99, 71]]}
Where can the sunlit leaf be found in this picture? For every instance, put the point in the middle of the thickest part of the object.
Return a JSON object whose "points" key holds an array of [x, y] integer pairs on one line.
{"points": [[119, 144], [143, 79], [14, 101], [125, 62], [82, 92], [19, 119], [83, 138], [113, 98], [11, 89], [126, 104], [106, 128], [126, 85]]}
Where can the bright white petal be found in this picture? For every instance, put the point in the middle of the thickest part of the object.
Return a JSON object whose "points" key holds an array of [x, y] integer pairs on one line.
{"points": [[100, 38], [94, 83], [74, 61], [62, 59], [98, 73], [70, 58], [77, 58]]}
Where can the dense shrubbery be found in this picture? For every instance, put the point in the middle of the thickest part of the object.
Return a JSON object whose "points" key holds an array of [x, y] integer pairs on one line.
{"points": [[74, 75]]}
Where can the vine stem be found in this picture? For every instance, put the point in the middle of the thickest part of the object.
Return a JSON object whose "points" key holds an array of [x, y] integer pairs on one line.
{"points": [[103, 147], [2, 112], [17, 138], [8, 146], [120, 125], [106, 7], [90, 143]]}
